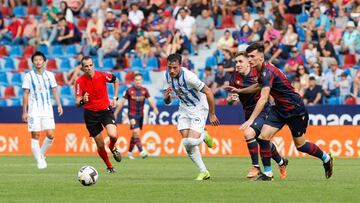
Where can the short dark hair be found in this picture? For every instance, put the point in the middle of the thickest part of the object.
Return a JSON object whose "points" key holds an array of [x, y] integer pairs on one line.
{"points": [[255, 46], [62, 19], [84, 59], [174, 57], [125, 12], [38, 53], [138, 74]]}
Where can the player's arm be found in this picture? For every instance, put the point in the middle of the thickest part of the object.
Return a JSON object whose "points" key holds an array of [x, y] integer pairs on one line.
{"points": [[25, 104], [210, 99], [153, 106], [247, 90], [264, 98], [317, 98], [80, 98], [167, 95], [120, 105], [57, 99]]}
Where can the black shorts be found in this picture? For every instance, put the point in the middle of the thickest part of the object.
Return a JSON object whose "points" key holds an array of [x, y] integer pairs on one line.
{"points": [[259, 121], [136, 122], [297, 124], [96, 120]]}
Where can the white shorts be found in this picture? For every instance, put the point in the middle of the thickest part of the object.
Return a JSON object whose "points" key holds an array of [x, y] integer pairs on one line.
{"points": [[37, 124], [194, 120]]}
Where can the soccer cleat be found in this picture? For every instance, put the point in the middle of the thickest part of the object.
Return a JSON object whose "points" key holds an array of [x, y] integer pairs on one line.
{"points": [[111, 170], [282, 169], [41, 164], [329, 166], [130, 156], [143, 154], [253, 172], [116, 154], [209, 141], [203, 176], [263, 177]]}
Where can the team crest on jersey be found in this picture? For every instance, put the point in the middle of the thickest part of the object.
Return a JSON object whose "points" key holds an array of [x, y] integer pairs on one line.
{"points": [[197, 120]]}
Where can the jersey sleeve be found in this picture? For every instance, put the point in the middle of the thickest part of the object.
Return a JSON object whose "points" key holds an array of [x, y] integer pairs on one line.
{"points": [[194, 82], [147, 95], [126, 94], [78, 90], [267, 78], [53, 83], [26, 82], [108, 77]]}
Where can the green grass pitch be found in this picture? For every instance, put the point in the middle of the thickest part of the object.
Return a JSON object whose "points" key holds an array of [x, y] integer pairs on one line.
{"points": [[170, 179]]}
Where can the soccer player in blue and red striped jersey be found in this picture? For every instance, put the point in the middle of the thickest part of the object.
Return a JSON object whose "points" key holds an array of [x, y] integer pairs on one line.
{"points": [[289, 109], [136, 95], [245, 76]]}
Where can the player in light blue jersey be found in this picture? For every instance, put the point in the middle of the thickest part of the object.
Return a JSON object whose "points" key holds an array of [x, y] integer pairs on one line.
{"points": [[197, 102]]}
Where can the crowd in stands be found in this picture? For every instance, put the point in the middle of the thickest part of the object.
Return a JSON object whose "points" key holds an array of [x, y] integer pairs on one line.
{"points": [[315, 43]]}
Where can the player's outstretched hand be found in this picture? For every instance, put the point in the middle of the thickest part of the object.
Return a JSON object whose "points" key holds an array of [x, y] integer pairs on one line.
{"points": [[60, 110], [24, 117], [214, 120], [230, 89], [168, 92], [247, 124], [86, 97], [156, 111]]}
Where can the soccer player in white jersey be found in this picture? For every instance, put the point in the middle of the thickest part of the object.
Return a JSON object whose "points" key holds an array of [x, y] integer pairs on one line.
{"points": [[37, 106], [197, 102]]}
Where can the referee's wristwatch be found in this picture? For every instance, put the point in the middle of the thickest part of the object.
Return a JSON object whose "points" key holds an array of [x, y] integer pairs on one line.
{"points": [[116, 98]]}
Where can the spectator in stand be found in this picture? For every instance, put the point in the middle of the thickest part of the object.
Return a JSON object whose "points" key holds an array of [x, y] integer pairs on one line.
{"points": [[289, 39], [143, 47], [225, 41], [332, 78], [334, 36], [293, 63], [342, 20], [125, 27], [162, 41], [169, 20], [69, 33], [209, 77], [313, 94], [247, 20], [228, 63], [95, 22], [270, 32], [302, 75], [317, 74], [311, 54], [351, 39], [274, 53], [91, 7], [66, 10], [197, 7], [204, 29], [186, 24], [326, 52], [357, 87], [13, 31], [110, 22], [244, 36], [29, 33], [101, 13], [75, 73], [44, 29], [52, 12], [221, 80], [93, 43], [258, 31], [344, 86], [317, 24], [186, 62], [136, 16], [176, 44], [109, 46], [180, 4], [279, 22]]}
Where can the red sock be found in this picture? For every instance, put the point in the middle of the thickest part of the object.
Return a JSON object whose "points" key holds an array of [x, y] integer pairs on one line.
{"points": [[112, 142], [103, 154]]}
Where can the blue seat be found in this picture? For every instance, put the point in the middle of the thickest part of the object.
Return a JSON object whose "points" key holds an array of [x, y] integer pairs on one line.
{"points": [[43, 49], [122, 90], [118, 75], [96, 63], [210, 61], [3, 103], [152, 63], [16, 79], [136, 63], [71, 50], [66, 92], [108, 64], [334, 101], [301, 33], [16, 101], [67, 102], [4, 81], [15, 51], [302, 18], [9, 65], [201, 73], [146, 77], [19, 92], [57, 51], [110, 90], [65, 65], [19, 11]]}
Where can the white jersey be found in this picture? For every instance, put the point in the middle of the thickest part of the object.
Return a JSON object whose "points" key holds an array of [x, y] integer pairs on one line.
{"points": [[39, 96], [187, 88]]}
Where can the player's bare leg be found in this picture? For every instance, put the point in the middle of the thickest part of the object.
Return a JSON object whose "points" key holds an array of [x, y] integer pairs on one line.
{"points": [[99, 140], [35, 148], [48, 141], [111, 131], [191, 140], [312, 149]]}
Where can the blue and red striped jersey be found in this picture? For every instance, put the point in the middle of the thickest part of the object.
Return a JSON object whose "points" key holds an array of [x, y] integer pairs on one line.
{"points": [[288, 103], [248, 101], [136, 100]]}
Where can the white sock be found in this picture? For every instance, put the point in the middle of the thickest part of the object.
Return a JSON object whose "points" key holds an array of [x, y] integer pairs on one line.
{"points": [[46, 145], [35, 147], [197, 141], [281, 162], [194, 154]]}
